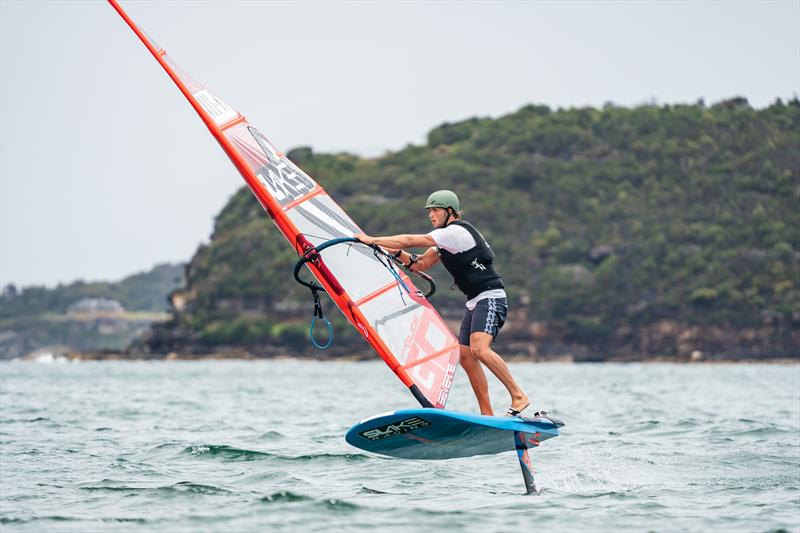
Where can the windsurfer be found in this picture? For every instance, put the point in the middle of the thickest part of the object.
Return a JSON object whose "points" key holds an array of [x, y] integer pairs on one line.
{"points": [[467, 256]]}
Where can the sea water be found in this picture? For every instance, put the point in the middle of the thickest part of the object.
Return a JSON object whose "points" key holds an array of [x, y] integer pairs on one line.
{"points": [[258, 446]]}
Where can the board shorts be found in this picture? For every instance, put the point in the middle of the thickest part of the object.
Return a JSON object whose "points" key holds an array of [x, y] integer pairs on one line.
{"points": [[488, 316]]}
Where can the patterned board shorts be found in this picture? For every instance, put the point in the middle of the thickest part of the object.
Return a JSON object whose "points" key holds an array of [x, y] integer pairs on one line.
{"points": [[488, 316]]}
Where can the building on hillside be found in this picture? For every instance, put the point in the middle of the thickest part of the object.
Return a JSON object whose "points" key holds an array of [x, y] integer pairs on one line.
{"points": [[95, 306]]}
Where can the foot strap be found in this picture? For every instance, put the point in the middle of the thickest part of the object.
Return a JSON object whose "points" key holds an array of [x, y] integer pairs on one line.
{"points": [[515, 412]]}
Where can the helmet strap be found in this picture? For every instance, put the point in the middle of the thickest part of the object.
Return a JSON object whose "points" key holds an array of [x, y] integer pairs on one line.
{"points": [[449, 214]]}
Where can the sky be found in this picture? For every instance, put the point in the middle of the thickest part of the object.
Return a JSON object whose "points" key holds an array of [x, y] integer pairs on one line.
{"points": [[105, 170]]}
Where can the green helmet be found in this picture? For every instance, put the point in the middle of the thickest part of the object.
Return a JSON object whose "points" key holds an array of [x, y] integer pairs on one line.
{"points": [[443, 199]]}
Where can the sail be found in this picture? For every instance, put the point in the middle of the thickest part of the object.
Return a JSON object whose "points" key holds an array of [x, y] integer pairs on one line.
{"points": [[402, 327]]}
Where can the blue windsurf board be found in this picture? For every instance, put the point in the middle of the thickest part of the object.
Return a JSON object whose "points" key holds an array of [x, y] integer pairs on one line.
{"points": [[439, 434]]}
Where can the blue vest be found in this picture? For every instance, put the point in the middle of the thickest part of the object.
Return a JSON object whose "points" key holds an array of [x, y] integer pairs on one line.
{"points": [[472, 269]]}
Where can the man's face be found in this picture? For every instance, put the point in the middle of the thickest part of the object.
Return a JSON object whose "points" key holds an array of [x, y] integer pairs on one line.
{"points": [[437, 216]]}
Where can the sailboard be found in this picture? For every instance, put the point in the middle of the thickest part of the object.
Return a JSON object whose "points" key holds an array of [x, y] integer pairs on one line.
{"points": [[435, 434], [401, 326]]}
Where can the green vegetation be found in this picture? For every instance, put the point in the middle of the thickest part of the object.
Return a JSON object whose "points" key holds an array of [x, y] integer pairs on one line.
{"points": [[35, 317], [601, 219], [613, 227], [146, 291]]}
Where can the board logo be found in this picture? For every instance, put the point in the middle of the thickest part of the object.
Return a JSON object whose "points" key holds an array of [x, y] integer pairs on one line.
{"points": [[394, 429]]}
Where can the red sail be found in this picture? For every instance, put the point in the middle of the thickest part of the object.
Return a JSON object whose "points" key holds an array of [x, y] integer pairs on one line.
{"points": [[404, 329]]}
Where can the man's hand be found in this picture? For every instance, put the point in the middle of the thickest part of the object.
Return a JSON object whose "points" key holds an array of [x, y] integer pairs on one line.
{"points": [[363, 237]]}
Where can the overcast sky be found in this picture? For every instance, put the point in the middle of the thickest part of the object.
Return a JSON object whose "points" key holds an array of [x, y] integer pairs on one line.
{"points": [[105, 170]]}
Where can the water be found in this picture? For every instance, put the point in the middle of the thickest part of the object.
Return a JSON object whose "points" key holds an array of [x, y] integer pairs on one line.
{"points": [[258, 446]]}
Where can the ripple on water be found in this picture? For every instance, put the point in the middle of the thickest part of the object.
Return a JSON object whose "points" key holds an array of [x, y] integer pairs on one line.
{"points": [[285, 496], [233, 453], [179, 488], [268, 436], [226, 453], [60, 518], [322, 504], [367, 490]]}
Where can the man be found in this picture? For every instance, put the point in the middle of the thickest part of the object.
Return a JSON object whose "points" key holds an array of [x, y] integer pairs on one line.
{"points": [[467, 256]]}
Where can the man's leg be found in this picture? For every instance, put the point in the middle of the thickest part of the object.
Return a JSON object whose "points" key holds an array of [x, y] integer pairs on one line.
{"points": [[480, 346], [472, 367], [477, 379]]}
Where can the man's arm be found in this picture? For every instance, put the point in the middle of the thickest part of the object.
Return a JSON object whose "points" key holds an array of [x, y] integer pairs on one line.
{"points": [[395, 242], [426, 260]]}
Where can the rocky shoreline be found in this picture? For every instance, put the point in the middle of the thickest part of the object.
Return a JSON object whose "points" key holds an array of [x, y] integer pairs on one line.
{"points": [[521, 340], [242, 355]]}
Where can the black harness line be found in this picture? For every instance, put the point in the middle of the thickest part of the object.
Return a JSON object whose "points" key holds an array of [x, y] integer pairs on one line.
{"points": [[312, 255]]}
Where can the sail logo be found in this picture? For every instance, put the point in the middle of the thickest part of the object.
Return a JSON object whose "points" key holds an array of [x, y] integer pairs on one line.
{"points": [[395, 428], [218, 110], [282, 179], [446, 383], [431, 353]]}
